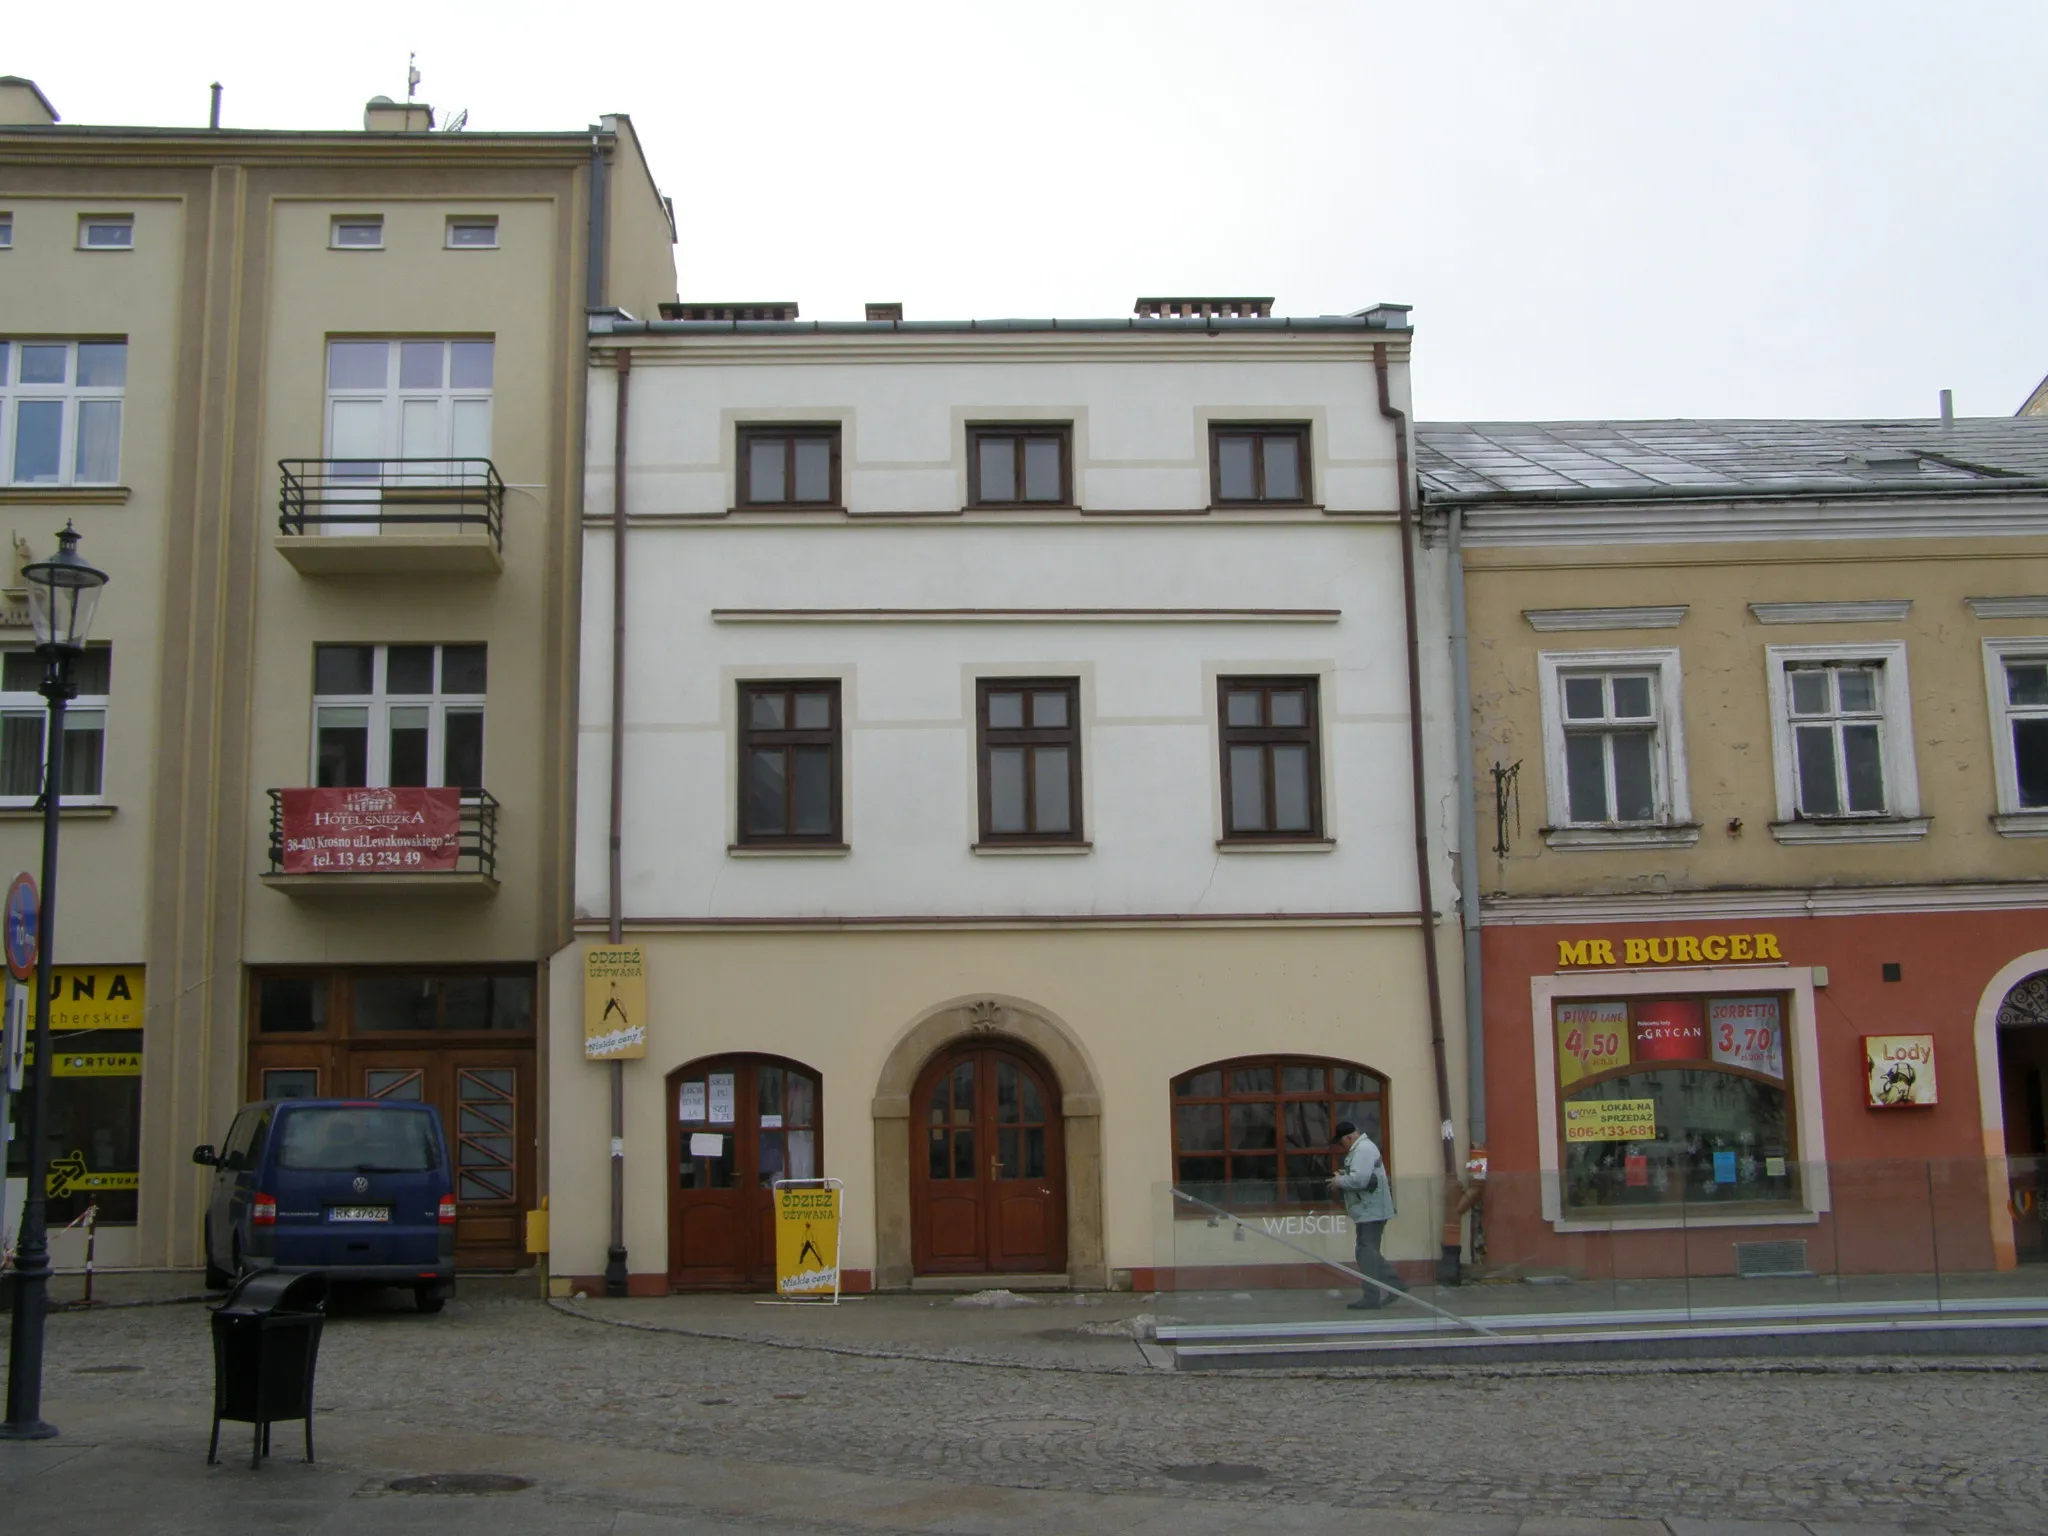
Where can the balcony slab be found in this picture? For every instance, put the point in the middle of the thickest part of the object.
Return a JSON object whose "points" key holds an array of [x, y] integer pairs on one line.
{"points": [[468, 884], [470, 552]]}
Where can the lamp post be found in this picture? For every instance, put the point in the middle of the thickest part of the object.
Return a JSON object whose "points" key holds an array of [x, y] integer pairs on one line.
{"points": [[62, 593]]}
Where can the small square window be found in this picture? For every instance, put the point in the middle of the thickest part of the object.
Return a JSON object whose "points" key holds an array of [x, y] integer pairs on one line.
{"points": [[356, 232], [1020, 466], [1259, 464], [106, 232], [468, 233], [6, 231], [789, 466]]}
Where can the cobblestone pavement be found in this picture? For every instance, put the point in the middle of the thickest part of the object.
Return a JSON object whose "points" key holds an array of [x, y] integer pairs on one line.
{"points": [[1951, 1445]]}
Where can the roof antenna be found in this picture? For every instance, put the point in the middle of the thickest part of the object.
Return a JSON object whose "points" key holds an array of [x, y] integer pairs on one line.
{"points": [[213, 121], [412, 75], [1948, 407]]}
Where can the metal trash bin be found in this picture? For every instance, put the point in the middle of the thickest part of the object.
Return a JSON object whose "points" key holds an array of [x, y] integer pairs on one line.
{"points": [[266, 1344]]}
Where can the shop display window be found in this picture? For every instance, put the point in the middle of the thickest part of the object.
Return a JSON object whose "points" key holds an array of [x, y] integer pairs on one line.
{"points": [[1676, 1101], [1255, 1133]]}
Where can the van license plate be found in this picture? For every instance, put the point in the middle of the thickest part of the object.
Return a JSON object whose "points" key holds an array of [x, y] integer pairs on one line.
{"points": [[359, 1213]]}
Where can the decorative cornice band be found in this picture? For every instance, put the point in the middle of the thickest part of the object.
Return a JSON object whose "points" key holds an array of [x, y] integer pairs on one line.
{"points": [[1551, 620], [1707, 906], [1049, 921], [1877, 610], [1992, 512], [2009, 607], [1026, 615]]}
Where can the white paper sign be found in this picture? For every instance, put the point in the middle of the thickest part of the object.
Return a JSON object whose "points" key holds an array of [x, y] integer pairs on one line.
{"points": [[706, 1144], [690, 1106], [721, 1098], [771, 1122], [1747, 1032]]}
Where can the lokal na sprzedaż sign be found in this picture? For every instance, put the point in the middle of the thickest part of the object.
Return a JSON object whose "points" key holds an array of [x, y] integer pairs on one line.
{"points": [[370, 831]]}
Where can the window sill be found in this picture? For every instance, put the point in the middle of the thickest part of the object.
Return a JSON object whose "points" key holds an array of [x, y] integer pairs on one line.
{"points": [[1682, 834], [1265, 506], [784, 508], [1276, 845], [1682, 1219], [1028, 850], [66, 495], [92, 812], [2021, 824], [1021, 506], [788, 850], [1874, 829]]}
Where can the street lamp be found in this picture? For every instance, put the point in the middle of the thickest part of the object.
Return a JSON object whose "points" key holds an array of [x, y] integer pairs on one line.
{"points": [[63, 591]]}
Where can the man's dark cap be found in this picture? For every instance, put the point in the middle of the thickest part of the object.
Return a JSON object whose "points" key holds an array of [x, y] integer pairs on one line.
{"points": [[1343, 1128]]}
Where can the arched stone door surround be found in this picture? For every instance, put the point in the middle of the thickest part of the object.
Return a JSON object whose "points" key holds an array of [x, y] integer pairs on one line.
{"points": [[1990, 1100], [992, 1017]]}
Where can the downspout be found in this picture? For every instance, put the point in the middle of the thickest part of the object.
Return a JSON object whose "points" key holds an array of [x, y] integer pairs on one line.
{"points": [[1447, 1258], [615, 1255], [1468, 843]]}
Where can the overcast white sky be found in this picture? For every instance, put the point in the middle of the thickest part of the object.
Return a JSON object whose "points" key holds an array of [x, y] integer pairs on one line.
{"points": [[1634, 208]]}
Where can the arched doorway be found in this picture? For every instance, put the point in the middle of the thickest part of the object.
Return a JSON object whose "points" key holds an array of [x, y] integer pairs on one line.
{"points": [[737, 1124], [2022, 1025], [987, 1163]]}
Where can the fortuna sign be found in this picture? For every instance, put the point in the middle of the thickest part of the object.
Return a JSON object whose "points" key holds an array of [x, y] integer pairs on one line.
{"points": [[1686, 949]]}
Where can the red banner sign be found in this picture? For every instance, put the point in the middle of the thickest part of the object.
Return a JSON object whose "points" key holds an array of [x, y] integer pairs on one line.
{"points": [[370, 831], [1670, 1029]]}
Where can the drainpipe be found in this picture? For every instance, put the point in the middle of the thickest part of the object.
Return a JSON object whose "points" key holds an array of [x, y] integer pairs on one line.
{"points": [[615, 1255], [1447, 1258], [1468, 843]]}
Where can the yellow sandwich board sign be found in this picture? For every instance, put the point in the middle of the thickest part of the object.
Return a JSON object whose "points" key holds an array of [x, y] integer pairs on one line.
{"points": [[614, 1004], [807, 1238]]}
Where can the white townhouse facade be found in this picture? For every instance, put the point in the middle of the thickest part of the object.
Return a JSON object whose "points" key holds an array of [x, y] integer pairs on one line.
{"points": [[1015, 798]]}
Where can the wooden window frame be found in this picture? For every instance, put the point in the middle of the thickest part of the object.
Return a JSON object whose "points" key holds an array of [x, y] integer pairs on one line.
{"points": [[1280, 1098], [1017, 432], [789, 737], [791, 432], [1268, 736], [339, 984], [1260, 431], [988, 737]]}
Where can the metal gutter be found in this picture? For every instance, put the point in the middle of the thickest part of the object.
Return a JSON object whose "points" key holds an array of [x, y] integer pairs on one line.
{"points": [[1211, 327], [615, 1255], [1791, 490], [1468, 842]]}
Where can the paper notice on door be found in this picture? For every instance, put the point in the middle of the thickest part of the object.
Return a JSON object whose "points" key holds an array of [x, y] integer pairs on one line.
{"points": [[706, 1144], [690, 1106], [771, 1122], [721, 1094]]}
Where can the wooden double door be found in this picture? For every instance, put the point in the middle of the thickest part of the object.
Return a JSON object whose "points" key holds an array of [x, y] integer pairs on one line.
{"points": [[739, 1123], [485, 1095], [987, 1165]]}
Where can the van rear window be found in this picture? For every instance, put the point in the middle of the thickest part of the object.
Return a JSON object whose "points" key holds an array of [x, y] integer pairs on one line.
{"points": [[356, 1138]]}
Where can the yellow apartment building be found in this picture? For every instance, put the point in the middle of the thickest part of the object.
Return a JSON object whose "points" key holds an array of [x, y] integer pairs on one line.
{"points": [[315, 401]]}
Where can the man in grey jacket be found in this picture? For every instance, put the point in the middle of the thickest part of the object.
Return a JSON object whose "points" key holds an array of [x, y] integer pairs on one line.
{"points": [[1362, 1184]]}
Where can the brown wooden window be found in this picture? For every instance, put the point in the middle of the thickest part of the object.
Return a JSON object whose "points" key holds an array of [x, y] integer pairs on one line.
{"points": [[1256, 1132], [789, 763], [1272, 762], [1259, 465], [1020, 466], [789, 466], [1030, 760]]}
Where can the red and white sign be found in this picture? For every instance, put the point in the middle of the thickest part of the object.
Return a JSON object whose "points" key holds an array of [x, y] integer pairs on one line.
{"points": [[1670, 1029], [370, 831], [1747, 1032]]}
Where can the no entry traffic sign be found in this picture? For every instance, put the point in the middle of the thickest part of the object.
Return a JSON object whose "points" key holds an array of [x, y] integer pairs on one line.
{"points": [[22, 927]]}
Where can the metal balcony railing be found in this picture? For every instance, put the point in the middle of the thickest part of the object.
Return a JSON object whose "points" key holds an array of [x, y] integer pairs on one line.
{"points": [[370, 495], [477, 835]]}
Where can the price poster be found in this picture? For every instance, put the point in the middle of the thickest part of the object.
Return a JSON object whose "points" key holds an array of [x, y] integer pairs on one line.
{"points": [[721, 1096], [1747, 1032], [1591, 1037]]}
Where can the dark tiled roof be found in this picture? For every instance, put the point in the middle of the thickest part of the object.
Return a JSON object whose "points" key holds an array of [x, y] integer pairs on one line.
{"points": [[1663, 458]]}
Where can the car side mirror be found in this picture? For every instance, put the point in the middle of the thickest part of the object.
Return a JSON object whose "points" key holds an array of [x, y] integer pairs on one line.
{"points": [[204, 1157]]}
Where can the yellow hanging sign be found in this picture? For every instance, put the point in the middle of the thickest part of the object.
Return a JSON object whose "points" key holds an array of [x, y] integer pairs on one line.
{"points": [[807, 1237], [615, 1004]]}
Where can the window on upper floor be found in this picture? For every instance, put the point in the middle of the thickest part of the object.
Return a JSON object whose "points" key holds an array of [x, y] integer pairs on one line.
{"points": [[398, 716], [24, 727], [1259, 465], [2017, 674], [1020, 466], [1030, 760], [413, 398], [790, 744], [1257, 1132], [1614, 757], [356, 232], [6, 230], [1842, 733], [60, 411], [106, 231], [472, 232], [1272, 759], [787, 465]]}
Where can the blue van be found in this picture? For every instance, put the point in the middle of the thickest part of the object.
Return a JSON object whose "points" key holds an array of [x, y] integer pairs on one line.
{"points": [[353, 1189]]}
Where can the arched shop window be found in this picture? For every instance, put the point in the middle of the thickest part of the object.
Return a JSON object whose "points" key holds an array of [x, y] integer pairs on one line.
{"points": [[1676, 1101], [1254, 1133]]}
